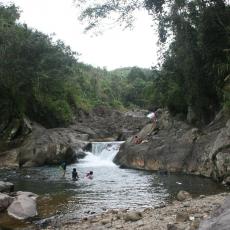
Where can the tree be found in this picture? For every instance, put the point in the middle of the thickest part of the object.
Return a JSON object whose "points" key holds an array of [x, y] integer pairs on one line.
{"points": [[32, 71], [198, 33]]}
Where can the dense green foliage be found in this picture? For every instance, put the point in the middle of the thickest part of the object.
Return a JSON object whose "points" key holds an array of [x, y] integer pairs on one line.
{"points": [[41, 79], [33, 70], [196, 61], [191, 68]]}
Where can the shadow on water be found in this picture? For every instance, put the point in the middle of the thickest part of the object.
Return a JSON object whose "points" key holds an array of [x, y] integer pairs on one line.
{"points": [[61, 199]]}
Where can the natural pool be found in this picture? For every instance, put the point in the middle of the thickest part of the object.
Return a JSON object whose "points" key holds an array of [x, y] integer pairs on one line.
{"points": [[62, 199]]}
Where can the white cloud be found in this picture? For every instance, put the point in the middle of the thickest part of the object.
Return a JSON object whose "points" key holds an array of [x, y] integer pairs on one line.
{"points": [[115, 48]]}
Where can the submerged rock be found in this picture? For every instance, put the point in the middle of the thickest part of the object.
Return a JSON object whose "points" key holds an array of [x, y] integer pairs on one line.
{"points": [[6, 186]]}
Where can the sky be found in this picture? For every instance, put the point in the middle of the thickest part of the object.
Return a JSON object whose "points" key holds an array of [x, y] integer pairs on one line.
{"points": [[115, 48]]}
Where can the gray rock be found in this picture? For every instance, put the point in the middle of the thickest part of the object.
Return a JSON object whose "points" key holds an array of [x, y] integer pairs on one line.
{"points": [[5, 201], [27, 194], [80, 154], [202, 196], [183, 195], [182, 217], [220, 219], [133, 216], [6, 186], [49, 146], [177, 226], [172, 227], [179, 147], [23, 207], [106, 221]]}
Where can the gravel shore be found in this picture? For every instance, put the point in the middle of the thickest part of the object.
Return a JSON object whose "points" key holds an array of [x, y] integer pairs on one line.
{"points": [[179, 215]]}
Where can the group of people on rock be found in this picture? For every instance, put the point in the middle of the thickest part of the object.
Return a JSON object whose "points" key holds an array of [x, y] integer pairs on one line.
{"points": [[75, 176]]}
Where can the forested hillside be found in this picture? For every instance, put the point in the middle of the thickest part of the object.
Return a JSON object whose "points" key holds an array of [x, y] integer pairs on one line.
{"points": [[41, 78], [195, 67]]}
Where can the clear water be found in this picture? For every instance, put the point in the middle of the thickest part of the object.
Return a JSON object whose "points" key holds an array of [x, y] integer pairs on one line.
{"points": [[111, 187]]}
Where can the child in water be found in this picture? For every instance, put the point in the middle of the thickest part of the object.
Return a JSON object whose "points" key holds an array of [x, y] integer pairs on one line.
{"points": [[74, 174], [89, 175], [63, 167]]}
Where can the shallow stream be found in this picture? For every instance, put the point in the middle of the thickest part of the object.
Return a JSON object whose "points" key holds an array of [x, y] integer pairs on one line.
{"points": [[62, 199]]}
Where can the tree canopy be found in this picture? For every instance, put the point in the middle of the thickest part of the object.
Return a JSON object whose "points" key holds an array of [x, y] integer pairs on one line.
{"points": [[194, 66]]}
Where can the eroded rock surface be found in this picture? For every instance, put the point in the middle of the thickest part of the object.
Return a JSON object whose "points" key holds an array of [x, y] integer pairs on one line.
{"points": [[40, 146], [178, 147]]}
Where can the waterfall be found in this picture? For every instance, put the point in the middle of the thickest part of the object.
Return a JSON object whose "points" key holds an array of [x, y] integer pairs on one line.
{"points": [[102, 154]]}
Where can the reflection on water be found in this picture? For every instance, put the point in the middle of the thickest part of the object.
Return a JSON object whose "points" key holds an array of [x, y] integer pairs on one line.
{"points": [[111, 187]]}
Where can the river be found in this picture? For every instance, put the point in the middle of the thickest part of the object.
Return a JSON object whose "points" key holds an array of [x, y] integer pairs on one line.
{"points": [[62, 199]]}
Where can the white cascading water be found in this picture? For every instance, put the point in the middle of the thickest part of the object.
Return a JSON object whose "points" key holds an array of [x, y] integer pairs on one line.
{"points": [[102, 154]]}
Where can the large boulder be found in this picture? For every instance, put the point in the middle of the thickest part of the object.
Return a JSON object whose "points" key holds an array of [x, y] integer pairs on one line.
{"points": [[50, 146], [220, 220], [24, 206], [5, 201], [178, 147]]}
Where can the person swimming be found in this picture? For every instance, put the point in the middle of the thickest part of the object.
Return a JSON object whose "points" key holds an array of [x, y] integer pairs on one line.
{"points": [[75, 174], [89, 175]]}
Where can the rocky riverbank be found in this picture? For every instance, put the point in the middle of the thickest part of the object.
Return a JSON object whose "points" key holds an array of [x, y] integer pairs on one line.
{"points": [[203, 213]]}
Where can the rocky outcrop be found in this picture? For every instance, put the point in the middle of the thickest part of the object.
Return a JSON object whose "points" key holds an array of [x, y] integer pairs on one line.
{"points": [[45, 146], [40, 146], [178, 147], [103, 123], [50, 146]]}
